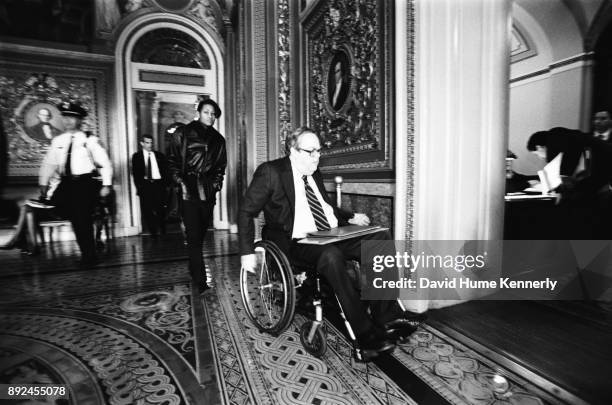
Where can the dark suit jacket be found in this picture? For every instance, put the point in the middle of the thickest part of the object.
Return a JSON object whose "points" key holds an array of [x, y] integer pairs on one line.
{"points": [[139, 169], [272, 191], [37, 132]]}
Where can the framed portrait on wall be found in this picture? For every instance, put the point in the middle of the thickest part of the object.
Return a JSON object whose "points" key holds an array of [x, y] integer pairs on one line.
{"points": [[339, 81], [346, 64], [29, 95]]}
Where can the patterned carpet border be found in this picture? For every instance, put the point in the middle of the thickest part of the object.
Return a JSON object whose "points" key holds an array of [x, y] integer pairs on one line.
{"points": [[463, 376], [279, 369]]}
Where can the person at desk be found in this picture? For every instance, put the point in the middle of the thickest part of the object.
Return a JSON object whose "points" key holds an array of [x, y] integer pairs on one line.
{"points": [[291, 193], [586, 171]]}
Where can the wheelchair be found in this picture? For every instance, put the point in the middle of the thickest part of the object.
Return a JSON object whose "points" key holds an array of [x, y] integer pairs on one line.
{"points": [[269, 297]]}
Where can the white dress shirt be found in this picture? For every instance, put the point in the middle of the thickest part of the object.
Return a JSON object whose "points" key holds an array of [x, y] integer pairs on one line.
{"points": [[86, 155], [303, 223], [603, 135], [154, 168]]}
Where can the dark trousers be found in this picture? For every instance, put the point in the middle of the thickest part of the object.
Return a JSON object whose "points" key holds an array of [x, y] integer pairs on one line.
{"points": [[197, 217], [330, 261], [152, 206], [79, 208]]}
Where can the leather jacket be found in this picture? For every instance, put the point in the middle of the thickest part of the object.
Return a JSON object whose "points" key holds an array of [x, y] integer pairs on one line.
{"points": [[196, 161]]}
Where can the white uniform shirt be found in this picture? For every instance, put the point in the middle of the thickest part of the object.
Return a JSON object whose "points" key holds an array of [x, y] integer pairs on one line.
{"points": [[86, 155], [154, 168], [303, 222]]}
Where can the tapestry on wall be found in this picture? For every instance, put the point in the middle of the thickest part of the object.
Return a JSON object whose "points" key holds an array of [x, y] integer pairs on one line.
{"points": [[347, 68], [30, 116]]}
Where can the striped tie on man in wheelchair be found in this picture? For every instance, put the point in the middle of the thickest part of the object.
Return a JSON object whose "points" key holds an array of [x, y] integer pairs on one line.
{"points": [[280, 189]]}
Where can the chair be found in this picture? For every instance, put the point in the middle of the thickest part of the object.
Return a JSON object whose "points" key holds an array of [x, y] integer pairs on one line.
{"points": [[269, 297]]}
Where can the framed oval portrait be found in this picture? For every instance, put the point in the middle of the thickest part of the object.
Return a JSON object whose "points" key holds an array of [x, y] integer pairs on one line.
{"points": [[339, 80], [43, 122]]}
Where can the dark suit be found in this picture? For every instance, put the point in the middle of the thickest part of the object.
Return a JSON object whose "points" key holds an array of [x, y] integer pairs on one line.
{"points": [[37, 132], [152, 193], [272, 190]]}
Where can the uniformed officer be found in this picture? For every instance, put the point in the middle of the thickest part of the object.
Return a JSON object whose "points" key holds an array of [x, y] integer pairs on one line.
{"points": [[77, 158]]}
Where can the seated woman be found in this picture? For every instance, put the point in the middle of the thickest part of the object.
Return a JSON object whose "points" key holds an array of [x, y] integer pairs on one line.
{"points": [[31, 213], [586, 172]]}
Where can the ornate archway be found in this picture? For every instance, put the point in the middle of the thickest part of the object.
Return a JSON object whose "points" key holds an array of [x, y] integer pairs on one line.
{"points": [[139, 71]]}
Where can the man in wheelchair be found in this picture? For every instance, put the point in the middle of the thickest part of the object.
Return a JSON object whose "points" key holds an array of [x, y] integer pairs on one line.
{"points": [[291, 193]]}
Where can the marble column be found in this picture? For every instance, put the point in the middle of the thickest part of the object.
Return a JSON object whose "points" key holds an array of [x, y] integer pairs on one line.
{"points": [[460, 122]]}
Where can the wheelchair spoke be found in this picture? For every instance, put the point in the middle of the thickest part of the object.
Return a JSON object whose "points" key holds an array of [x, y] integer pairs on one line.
{"points": [[268, 294]]}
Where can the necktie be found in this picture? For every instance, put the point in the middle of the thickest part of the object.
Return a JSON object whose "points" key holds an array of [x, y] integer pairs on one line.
{"points": [[68, 168], [149, 173], [315, 207]]}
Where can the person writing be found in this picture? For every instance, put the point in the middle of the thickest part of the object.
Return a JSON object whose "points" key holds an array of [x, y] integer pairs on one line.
{"points": [[586, 171]]}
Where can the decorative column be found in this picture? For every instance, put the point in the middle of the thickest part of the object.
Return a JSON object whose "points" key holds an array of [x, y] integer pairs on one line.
{"points": [[461, 122], [155, 121], [462, 71]]}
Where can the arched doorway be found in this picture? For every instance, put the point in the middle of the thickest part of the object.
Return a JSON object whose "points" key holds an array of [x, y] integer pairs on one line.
{"points": [[163, 63]]}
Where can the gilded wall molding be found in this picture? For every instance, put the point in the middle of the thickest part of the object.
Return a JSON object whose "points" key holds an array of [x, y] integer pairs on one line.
{"points": [[284, 70], [347, 71]]}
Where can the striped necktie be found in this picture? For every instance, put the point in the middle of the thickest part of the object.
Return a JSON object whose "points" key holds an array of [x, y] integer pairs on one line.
{"points": [[315, 207]]}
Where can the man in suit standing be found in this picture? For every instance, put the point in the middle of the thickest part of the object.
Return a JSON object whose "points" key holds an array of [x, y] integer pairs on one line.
{"points": [[601, 126], [291, 193], [149, 170], [44, 131]]}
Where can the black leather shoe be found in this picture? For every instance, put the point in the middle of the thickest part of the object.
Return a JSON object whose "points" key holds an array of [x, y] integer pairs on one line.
{"points": [[404, 326], [202, 288], [374, 343], [399, 330]]}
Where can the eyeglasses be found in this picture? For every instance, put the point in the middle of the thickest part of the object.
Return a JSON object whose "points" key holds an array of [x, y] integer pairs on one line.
{"points": [[311, 152]]}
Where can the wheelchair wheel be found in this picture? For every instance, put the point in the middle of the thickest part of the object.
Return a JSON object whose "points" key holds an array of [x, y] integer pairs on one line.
{"points": [[269, 294], [318, 346]]}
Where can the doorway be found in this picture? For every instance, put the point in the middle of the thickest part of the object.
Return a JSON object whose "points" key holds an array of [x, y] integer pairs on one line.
{"points": [[162, 68]]}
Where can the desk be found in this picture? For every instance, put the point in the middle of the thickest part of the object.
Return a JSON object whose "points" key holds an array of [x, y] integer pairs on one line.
{"points": [[531, 217]]}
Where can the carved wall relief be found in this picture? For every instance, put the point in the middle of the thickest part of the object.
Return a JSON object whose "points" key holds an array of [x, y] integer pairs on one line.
{"points": [[347, 69]]}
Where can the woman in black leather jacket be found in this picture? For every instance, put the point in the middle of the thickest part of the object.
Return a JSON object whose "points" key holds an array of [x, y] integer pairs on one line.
{"points": [[196, 160]]}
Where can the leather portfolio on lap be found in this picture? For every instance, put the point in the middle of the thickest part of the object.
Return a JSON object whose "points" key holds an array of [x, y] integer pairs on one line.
{"points": [[338, 234]]}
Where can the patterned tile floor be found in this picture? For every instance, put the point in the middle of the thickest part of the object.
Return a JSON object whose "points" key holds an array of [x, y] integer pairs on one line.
{"points": [[129, 331]]}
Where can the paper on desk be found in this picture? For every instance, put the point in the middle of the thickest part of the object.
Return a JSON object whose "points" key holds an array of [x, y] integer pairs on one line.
{"points": [[550, 175]]}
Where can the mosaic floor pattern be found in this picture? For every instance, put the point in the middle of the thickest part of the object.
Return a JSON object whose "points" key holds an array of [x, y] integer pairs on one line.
{"points": [[131, 333], [277, 370], [258, 368]]}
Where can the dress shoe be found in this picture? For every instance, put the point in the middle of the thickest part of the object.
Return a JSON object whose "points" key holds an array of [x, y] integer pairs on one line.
{"points": [[374, 343], [399, 329], [202, 288], [405, 325]]}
